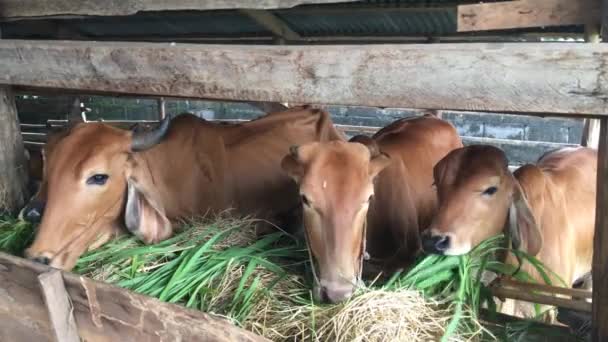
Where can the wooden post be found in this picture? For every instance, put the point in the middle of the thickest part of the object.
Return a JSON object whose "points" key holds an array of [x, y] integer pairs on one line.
{"points": [[61, 311], [599, 326], [13, 168], [600, 242]]}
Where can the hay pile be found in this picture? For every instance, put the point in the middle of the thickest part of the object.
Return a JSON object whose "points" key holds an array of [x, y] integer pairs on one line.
{"points": [[218, 266]]}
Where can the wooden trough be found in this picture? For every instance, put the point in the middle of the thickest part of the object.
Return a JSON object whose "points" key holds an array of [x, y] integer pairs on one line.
{"points": [[39, 304]]}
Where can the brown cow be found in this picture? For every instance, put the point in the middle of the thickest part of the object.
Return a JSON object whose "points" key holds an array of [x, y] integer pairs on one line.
{"points": [[337, 181], [98, 174], [547, 209]]}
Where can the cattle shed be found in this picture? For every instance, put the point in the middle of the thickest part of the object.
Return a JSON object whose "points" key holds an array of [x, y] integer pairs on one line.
{"points": [[525, 57]]}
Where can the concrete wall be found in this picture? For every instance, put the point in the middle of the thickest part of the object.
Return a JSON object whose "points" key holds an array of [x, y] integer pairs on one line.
{"points": [[524, 138]]}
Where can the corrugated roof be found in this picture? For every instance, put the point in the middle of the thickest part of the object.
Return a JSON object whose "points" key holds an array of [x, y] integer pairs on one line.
{"points": [[368, 18], [380, 22]]}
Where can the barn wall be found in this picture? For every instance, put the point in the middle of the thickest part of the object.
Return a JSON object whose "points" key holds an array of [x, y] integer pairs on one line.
{"points": [[524, 138]]}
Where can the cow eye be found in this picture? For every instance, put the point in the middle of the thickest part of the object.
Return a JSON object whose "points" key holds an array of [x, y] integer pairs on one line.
{"points": [[305, 200], [490, 191], [98, 179]]}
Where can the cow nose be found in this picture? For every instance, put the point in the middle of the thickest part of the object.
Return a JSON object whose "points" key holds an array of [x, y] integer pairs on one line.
{"points": [[337, 294], [32, 213], [42, 260], [436, 244]]}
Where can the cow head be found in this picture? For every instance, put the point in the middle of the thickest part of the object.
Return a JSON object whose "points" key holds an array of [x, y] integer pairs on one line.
{"points": [[478, 198], [33, 210], [336, 185], [93, 178]]}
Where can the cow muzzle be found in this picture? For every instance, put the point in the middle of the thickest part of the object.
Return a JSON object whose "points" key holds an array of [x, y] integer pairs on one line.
{"points": [[435, 243], [333, 292], [32, 212], [41, 258]]}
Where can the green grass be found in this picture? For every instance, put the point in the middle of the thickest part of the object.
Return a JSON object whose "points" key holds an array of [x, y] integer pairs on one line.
{"points": [[218, 266], [15, 235]]}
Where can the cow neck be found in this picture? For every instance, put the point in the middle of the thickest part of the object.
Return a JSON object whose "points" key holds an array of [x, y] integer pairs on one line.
{"points": [[362, 254]]}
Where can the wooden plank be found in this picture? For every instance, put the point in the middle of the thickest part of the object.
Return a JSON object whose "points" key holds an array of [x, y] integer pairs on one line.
{"points": [[509, 78], [59, 307], [540, 299], [33, 9], [527, 13], [525, 287], [272, 23], [103, 312], [600, 242]]}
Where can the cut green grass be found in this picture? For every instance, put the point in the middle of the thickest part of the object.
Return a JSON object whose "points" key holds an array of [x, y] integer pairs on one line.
{"points": [[15, 235]]}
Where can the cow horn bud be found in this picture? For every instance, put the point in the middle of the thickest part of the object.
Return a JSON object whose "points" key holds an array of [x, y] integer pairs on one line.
{"points": [[293, 150]]}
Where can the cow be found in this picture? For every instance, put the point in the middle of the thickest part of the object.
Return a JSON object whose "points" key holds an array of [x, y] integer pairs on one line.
{"points": [[102, 180], [369, 196], [546, 209]]}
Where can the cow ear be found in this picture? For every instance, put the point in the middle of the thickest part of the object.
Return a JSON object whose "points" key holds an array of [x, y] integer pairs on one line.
{"points": [[378, 163], [294, 162], [523, 229], [292, 167], [144, 218]]}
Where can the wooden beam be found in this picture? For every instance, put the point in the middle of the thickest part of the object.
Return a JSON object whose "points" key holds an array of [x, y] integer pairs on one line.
{"points": [[103, 312], [33, 9], [59, 307], [527, 13], [272, 23], [510, 78], [600, 242]]}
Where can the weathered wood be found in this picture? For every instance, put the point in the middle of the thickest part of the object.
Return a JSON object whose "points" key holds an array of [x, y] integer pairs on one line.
{"points": [[600, 242], [541, 78], [59, 307], [13, 179], [525, 287], [103, 312], [272, 23], [32, 9], [527, 13], [541, 299]]}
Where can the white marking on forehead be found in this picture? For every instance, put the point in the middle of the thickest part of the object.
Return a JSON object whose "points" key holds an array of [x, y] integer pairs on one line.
{"points": [[324, 184]]}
